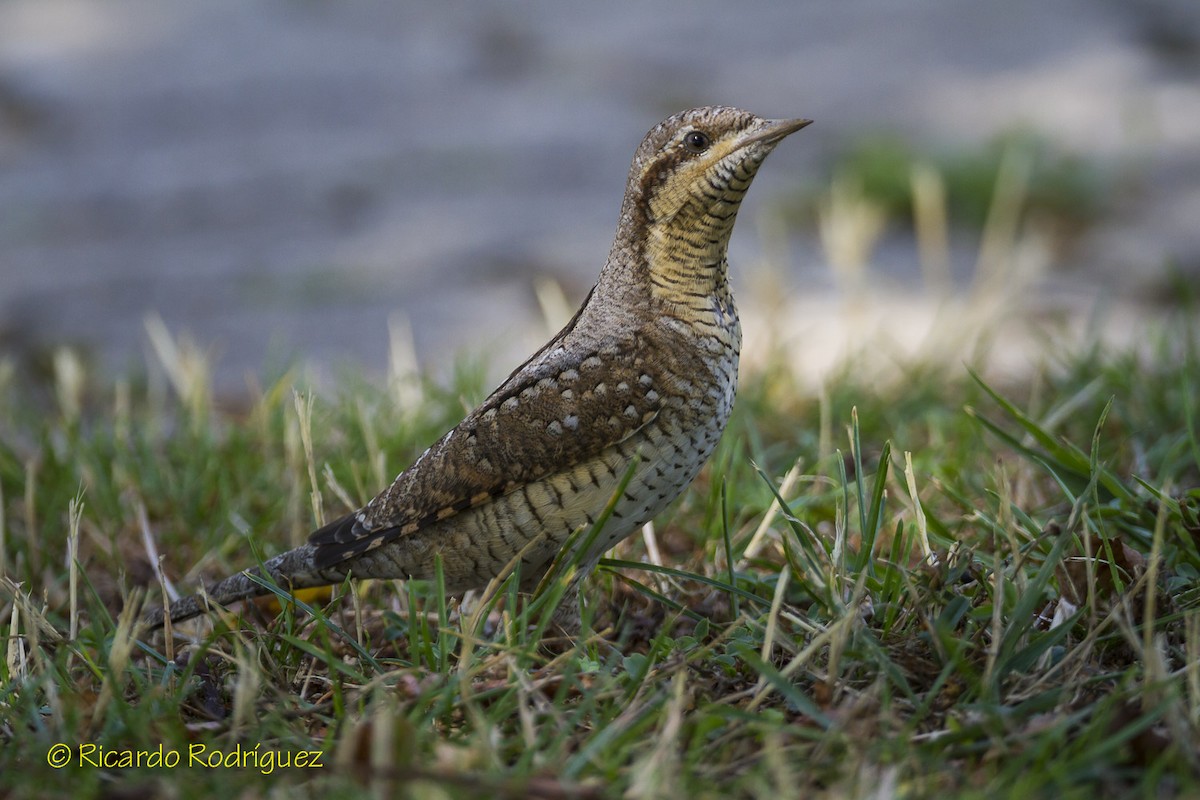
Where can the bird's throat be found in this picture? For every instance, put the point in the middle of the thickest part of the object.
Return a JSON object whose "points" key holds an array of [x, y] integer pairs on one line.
{"points": [[687, 261]]}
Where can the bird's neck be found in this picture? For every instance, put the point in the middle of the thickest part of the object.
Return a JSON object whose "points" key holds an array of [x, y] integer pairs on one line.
{"points": [[667, 272], [675, 260], [686, 258]]}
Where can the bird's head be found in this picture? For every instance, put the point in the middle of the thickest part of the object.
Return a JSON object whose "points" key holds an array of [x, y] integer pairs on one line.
{"points": [[685, 185], [702, 161]]}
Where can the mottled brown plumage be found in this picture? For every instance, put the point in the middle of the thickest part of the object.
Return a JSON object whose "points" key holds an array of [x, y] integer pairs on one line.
{"points": [[645, 372]]}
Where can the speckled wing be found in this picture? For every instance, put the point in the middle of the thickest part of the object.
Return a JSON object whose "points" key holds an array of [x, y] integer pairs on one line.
{"points": [[557, 411]]}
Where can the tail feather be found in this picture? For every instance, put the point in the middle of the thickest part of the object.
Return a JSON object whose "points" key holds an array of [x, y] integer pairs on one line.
{"points": [[293, 570]]}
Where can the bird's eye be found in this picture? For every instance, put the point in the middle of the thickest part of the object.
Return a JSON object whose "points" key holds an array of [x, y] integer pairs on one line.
{"points": [[696, 141]]}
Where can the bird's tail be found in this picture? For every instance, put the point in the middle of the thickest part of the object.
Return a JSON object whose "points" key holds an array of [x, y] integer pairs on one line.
{"points": [[293, 570]]}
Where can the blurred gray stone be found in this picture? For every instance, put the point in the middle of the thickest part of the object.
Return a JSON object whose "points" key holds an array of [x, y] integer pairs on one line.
{"points": [[280, 177]]}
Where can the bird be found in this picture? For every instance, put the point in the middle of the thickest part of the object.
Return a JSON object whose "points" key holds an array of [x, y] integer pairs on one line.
{"points": [[608, 422]]}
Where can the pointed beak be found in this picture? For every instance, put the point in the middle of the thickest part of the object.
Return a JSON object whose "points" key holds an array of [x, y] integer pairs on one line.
{"points": [[773, 130]]}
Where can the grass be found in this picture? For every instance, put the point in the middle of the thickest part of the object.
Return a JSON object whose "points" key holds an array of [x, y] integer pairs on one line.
{"points": [[1064, 188], [958, 588], [892, 583]]}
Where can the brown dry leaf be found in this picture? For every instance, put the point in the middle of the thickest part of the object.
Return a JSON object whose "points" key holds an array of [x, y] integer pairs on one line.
{"points": [[1148, 745], [1128, 563]]}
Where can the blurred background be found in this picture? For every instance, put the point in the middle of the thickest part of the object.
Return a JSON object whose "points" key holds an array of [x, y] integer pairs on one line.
{"points": [[365, 184]]}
